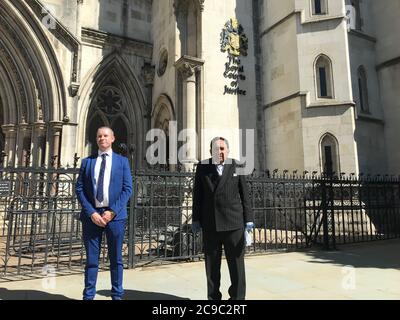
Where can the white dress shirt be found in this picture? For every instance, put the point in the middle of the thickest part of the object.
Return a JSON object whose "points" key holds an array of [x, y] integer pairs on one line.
{"points": [[220, 169], [107, 178]]}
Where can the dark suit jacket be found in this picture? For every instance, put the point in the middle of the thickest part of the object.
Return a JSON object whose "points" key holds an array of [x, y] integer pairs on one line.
{"points": [[120, 189], [220, 203]]}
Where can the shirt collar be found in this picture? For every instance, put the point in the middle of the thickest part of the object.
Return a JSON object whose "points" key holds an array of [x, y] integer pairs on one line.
{"points": [[105, 152]]}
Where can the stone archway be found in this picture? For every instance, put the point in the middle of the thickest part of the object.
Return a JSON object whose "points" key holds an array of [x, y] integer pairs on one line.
{"points": [[112, 96], [31, 88]]}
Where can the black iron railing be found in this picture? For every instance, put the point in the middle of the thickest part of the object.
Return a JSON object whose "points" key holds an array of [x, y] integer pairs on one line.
{"points": [[40, 226]]}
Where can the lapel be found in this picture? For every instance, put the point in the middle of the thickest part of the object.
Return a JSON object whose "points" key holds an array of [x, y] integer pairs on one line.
{"points": [[92, 165], [225, 175], [113, 169], [211, 170]]}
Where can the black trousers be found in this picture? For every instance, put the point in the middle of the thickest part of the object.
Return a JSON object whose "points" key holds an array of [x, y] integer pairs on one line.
{"points": [[233, 242]]}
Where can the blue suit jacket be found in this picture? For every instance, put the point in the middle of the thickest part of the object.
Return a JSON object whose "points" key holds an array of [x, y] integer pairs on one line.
{"points": [[120, 189]]}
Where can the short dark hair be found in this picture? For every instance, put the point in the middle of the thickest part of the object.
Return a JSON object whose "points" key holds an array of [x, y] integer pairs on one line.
{"points": [[214, 141]]}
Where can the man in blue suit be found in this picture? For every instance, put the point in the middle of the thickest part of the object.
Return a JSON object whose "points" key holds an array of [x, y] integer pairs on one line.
{"points": [[104, 188]]}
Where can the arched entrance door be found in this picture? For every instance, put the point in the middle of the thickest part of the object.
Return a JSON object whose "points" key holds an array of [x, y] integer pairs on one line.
{"points": [[109, 109]]}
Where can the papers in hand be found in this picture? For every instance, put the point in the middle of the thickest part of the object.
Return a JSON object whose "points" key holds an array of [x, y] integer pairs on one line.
{"points": [[248, 238]]}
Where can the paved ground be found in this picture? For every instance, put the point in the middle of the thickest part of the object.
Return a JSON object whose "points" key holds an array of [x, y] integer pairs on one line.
{"points": [[354, 272]]}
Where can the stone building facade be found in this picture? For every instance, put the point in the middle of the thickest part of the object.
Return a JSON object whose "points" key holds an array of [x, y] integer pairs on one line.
{"points": [[315, 82]]}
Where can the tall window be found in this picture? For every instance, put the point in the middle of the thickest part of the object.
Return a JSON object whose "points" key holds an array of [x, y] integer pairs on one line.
{"points": [[323, 75], [319, 7], [363, 90], [330, 155]]}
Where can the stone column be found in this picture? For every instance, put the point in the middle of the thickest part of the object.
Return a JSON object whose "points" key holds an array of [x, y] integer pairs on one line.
{"points": [[187, 67], [24, 145], [38, 144], [10, 134], [55, 131]]}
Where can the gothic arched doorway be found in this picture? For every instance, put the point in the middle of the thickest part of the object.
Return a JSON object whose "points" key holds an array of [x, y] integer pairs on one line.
{"points": [[113, 97], [109, 109]]}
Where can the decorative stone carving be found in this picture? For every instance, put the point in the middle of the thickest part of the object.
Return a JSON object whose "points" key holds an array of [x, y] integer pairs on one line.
{"points": [[162, 63], [182, 5], [24, 53], [39, 107], [187, 70], [73, 89], [148, 74], [187, 66], [201, 4], [109, 101], [17, 78]]}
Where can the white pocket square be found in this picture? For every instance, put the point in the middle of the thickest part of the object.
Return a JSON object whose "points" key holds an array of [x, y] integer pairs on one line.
{"points": [[235, 175]]}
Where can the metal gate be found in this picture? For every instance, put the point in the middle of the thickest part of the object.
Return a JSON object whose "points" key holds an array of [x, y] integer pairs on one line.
{"points": [[40, 228]]}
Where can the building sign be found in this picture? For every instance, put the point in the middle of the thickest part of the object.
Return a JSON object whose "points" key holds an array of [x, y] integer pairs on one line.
{"points": [[5, 188], [235, 43]]}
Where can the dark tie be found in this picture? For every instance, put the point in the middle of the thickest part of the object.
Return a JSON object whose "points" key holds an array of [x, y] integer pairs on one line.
{"points": [[100, 184]]}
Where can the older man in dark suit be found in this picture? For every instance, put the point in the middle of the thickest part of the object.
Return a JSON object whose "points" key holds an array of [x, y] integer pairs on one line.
{"points": [[222, 209]]}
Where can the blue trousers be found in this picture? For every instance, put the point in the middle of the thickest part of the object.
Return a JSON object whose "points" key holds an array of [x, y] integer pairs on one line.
{"points": [[92, 237]]}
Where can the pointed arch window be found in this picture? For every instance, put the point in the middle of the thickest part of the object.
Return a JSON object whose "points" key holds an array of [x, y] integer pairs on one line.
{"points": [[329, 155], [363, 90], [324, 77], [109, 110]]}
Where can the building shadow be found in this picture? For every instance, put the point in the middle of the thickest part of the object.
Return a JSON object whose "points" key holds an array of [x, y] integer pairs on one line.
{"points": [[379, 255], [141, 295], [6, 294]]}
